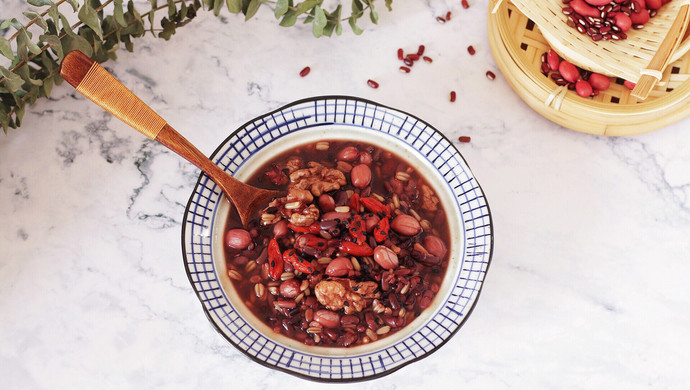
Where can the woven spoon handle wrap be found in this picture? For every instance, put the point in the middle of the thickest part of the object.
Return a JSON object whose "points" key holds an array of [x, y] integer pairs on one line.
{"points": [[93, 81]]}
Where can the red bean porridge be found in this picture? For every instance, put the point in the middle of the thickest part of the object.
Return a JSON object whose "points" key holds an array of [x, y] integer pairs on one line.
{"points": [[356, 250]]}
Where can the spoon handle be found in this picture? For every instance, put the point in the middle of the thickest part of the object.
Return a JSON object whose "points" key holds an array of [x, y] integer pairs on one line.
{"points": [[98, 85]]}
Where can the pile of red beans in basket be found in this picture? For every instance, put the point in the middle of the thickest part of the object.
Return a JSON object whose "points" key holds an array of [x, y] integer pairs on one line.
{"points": [[354, 252]]}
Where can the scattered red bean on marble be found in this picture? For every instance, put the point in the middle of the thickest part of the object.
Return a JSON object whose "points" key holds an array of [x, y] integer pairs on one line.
{"points": [[490, 75], [452, 96], [305, 71], [464, 139], [470, 49], [400, 54], [372, 83]]}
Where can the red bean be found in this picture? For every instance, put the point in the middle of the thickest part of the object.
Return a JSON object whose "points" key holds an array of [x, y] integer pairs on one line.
{"points": [[597, 3], [420, 50], [327, 203], [327, 318], [360, 176], [568, 70], [406, 225], [305, 71], [427, 59], [372, 83], [371, 322], [584, 9], [623, 21], [348, 153], [583, 88], [290, 288], [340, 266], [347, 339], [435, 246], [452, 96], [349, 319], [599, 82], [405, 69], [470, 49], [371, 222], [553, 60], [385, 257], [641, 17], [238, 239], [400, 54], [654, 4], [465, 4], [280, 229]]}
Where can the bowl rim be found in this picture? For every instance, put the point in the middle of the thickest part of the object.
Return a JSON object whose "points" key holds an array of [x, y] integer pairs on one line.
{"points": [[387, 371]]}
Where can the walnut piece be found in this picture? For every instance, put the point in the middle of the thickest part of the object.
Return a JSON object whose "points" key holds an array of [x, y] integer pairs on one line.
{"points": [[294, 163], [338, 294], [297, 195], [305, 217], [317, 178], [429, 199]]}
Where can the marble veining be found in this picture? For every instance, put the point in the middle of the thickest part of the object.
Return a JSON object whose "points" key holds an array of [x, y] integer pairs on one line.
{"points": [[588, 284]]}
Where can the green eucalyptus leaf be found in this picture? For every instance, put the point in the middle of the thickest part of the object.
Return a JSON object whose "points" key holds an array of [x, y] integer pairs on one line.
{"points": [[217, 6], [5, 24], [307, 5], [54, 14], [47, 87], [172, 9], [388, 5], [374, 16], [281, 8], [6, 48], [252, 8], [74, 4], [37, 18], [234, 6], [168, 29], [357, 7], [13, 82], [19, 115], [353, 24], [328, 30], [339, 28], [55, 44], [66, 26], [40, 3], [289, 18], [76, 42], [118, 13], [23, 46], [319, 22], [89, 17]]}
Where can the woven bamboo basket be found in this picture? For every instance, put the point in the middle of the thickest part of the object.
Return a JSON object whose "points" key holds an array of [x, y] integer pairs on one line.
{"points": [[625, 59], [517, 46]]}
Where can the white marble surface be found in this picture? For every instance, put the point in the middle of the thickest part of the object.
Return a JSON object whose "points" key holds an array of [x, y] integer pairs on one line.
{"points": [[589, 282]]}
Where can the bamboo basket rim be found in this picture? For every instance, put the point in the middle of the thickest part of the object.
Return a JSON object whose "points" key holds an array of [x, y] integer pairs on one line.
{"points": [[625, 58], [574, 112]]}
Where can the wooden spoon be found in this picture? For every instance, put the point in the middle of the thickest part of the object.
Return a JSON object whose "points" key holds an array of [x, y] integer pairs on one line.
{"points": [[97, 84]]}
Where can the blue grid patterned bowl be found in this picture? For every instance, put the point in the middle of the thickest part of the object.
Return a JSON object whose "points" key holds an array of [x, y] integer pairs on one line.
{"points": [[340, 117]]}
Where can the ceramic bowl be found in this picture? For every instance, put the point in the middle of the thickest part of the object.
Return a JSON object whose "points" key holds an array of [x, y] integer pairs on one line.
{"points": [[346, 118]]}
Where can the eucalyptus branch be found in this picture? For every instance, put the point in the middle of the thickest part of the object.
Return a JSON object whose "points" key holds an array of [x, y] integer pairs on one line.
{"points": [[35, 62]]}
